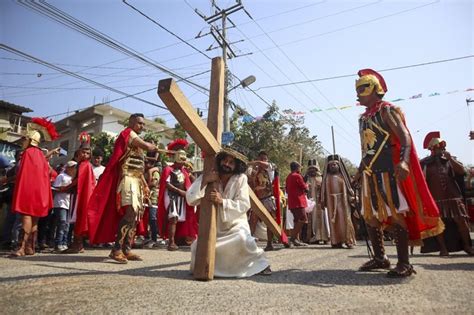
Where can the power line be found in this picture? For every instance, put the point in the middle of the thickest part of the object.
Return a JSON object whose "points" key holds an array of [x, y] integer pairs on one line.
{"points": [[284, 74], [315, 19], [276, 14], [20, 94], [165, 29], [24, 55], [65, 19], [239, 6], [141, 92], [355, 74], [353, 25], [304, 75], [80, 66]]}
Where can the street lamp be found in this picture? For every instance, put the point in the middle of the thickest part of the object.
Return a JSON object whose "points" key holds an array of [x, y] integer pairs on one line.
{"points": [[244, 83]]}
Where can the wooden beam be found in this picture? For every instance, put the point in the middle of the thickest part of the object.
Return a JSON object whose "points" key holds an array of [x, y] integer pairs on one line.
{"points": [[263, 214], [206, 242], [181, 108], [206, 139], [187, 116]]}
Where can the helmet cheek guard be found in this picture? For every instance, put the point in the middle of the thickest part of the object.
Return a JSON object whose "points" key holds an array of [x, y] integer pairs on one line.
{"points": [[372, 83], [372, 80]]}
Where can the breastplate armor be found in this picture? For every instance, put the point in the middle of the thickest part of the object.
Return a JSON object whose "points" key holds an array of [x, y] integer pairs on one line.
{"points": [[134, 163], [177, 179], [377, 157]]}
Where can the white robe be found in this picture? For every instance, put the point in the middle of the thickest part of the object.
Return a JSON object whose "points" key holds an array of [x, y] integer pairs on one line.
{"points": [[237, 253]]}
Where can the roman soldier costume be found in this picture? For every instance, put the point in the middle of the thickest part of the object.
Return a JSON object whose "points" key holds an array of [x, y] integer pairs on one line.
{"points": [[32, 196], [388, 200], [445, 178]]}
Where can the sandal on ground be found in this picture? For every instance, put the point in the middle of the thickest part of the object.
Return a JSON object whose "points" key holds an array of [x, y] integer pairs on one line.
{"points": [[269, 248], [132, 256], [173, 247], [73, 250], [469, 251], [401, 271], [298, 243], [118, 256], [266, 272], [375, 263]]}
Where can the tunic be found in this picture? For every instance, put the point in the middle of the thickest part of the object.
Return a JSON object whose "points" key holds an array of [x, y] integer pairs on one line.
{"points": [[237, 254], [342, 230], [318, 215]]}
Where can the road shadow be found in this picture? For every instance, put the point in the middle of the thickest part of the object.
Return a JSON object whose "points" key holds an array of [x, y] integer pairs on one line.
{"points": [[448, 266], [61, 258], [160, 271], [329, 278]]}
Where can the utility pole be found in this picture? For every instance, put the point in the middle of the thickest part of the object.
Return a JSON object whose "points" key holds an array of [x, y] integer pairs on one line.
{"points": [[227, 52], [333, 141], [471, 132]]}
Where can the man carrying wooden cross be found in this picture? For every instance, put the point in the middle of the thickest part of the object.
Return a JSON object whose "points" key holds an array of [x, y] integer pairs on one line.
{"points": [[208, 139], [237, 254]]}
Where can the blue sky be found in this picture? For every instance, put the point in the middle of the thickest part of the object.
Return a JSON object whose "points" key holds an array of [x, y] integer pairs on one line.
{"points": [[290, 41]]}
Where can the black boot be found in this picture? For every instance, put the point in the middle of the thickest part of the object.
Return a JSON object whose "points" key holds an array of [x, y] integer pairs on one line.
{"points": [[380, 260], [403, 268]]}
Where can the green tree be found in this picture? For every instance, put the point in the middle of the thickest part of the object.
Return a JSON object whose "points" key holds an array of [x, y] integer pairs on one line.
{"points": [[283, 136], [105, 142], [152, 136], [160, 120], [179, 132]]}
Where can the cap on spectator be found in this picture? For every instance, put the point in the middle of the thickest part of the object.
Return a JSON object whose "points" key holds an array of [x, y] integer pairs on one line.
{"points": [[71, 164]]}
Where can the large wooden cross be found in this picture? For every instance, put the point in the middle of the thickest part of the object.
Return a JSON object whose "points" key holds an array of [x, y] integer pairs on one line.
{"points": [[208, 139]]}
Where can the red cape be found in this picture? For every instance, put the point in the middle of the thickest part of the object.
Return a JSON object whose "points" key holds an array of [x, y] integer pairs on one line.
{"points": [[32, 194], [85, 187], [102, 209], [186, 229], [276, 193], [423, 218], [142, 225]]}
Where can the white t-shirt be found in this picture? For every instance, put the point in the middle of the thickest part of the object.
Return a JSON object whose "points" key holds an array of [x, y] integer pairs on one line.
{"points": [[97, 170], [62, 199]]}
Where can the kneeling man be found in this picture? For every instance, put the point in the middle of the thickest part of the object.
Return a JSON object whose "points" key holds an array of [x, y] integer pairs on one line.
{"points": [[237, 254]]}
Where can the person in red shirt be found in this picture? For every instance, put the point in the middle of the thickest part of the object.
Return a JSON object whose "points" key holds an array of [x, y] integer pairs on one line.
{"points": [[296, 189]]}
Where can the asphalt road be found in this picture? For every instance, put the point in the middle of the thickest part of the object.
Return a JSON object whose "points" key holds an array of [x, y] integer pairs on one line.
{"points": [[314, 279]]}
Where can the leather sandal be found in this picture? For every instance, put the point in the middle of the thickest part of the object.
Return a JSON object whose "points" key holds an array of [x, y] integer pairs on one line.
{"points": [[269, 248], [118, 256], [173, 247], [132, 256], [374, 264], [401, 271], [266, 272]]}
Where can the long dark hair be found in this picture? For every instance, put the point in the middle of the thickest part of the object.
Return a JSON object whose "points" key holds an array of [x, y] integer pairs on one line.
{"points": [[240, 167]]}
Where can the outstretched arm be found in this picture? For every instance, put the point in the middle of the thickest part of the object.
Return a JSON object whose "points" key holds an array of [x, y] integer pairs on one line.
{"points": [[395, 121], [147, 146]]}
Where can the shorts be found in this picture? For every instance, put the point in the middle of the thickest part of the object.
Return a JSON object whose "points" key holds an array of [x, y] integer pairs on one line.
{"points": [[299, 215], [269, 204]]}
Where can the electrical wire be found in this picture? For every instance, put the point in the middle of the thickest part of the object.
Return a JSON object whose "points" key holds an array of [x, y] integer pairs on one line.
{"points": [[65, 19], [355, 74], [353, 25], [304, 75], [24, 55], [165, 29], [315, 19]]}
